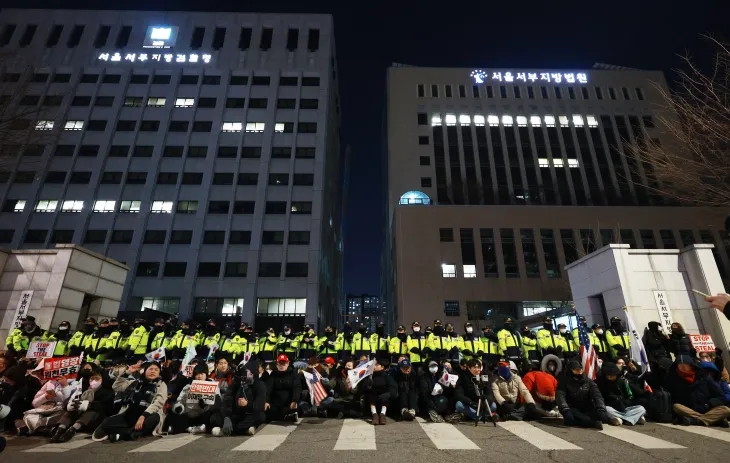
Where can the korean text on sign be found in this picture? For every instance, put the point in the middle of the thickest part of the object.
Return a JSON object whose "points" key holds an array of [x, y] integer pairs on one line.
{"points": [[67, 367], [203, 390], [702, 342], [665, 313]]}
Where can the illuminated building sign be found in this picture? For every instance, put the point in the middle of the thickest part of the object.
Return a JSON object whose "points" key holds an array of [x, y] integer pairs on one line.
{"points": [[192, 58], [480, 76], [160, 37]]}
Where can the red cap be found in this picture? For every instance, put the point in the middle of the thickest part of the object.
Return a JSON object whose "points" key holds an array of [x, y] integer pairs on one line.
{"points": [[282, 359], [329, 361]]}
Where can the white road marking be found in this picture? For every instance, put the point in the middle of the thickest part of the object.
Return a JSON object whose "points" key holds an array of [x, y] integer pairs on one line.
{"points": [[536, 436], [446, 437], [268, 438], [63, 447], [356, 435], [166, 444], [702, 431], [638, 439]]}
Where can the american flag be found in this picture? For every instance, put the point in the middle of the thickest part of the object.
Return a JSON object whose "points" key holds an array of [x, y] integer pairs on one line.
{"points": [[587, 353], [316, 388]]}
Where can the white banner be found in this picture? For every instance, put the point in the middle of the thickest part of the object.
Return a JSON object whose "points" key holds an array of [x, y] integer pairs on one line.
{"points": [[23, 305], [187, 369], [665, 314], [638, 353], [203, 390], [41, 349]]}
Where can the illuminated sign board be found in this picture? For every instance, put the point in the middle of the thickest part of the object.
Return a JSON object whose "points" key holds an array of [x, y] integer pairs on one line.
{"points": [[160, 37], [192, 58], [480, 76]]}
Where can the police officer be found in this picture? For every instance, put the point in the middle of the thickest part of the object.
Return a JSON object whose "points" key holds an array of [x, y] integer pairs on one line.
{"points": [[211, 337], [229, 347], [454, 342], [547, 340], [509, 342], [343, 344], [598, 341], [62, 338], [111, 342], [157, 335], [417, 343], [92, 343], [379, 342], [180, 341], [575, 333], [529, 345], [267, 345], [15, 332], [286, 343], [470, 344], [618, 339], [361, 343], [398, 344], [327, 342], [439, 343], [31, 333], [491, 351], [569, 348], [138, 340], [76, 344]]}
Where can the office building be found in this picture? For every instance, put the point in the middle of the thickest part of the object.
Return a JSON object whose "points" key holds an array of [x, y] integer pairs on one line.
{"points": [[499, 178], [365, 309], [200, 149]]}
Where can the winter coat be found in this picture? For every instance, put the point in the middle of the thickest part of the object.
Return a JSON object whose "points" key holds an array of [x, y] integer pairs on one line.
{"points": [[680, 344], [63, 394], [156, 405], [426, 383], [254, 393], [511, 390], [382, 385], [716, 375], [466, 392], [617, 394], [407, 384], [582, 394], [341, 388], [656, 343], [700, 395], [100, 400], [224, 379], [541, 385], [194, 409], [283, 387]]}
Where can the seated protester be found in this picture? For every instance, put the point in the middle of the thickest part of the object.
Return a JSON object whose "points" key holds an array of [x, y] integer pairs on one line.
{"points": [[716, 358], [697, 399], [5, 363], [466, 395], [712, 371], [433, 394], [379, 389], [514, 401], [542, 387], [405, 379], [142, 399], [92, 402], [175, 379], [660, 369], [305, 405], [618, 395], [655, 341], [283, 391], [347, 398], [223, 373], [193, 416], [244, 403], [49, 404], [579, 400], [679, 342], [16, 394]]}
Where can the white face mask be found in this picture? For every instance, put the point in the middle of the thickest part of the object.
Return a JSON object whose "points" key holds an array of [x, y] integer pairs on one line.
{"points": [[599, 331], [562, 330], [416, 329], [94, 384], [469, 330], [433, 370]]}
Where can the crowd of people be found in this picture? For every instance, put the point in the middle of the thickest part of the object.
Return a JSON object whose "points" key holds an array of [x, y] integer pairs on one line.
{"points": [[433, 372]]}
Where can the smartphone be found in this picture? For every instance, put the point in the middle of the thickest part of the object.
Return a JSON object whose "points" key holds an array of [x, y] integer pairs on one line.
{"points": [[700, 293]]}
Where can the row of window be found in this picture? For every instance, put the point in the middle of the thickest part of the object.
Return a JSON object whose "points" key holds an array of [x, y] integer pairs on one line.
{"points": [[163, 79], [574, 247], [161, 207], [507, 120], [122, 40], [516, 91], [160, 102], [230, 269], [99, 125], [228, 306]]}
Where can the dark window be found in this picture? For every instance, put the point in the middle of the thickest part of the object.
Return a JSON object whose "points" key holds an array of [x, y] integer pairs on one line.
{"points": [[298, 237], [175, 269], [313, 40], [161, 79], [639, 94], [55, 177], [119, 151], [434, 91], [89, 78], [143, 151], [187, 207], [10, 205], [303, 179], [227, 151], [239, 237], [244, 40], [251, 152], [197, 39], [462, 91], [425, 161], [55, 100], [197, 151], [192, 178], [172, 151], [167, 178], [102, 36], [448, 91], [202, 126], [111, 178], [126, 126], [550, 253], [301, 207], [246, 178], [239, 80], [517, 92], [276, 207], [558, 93], [288, 81], [307, 127], [148, 269], [95, 236], [155, 237], [28, 34], [218, 207], [529, 250], [36, 236], [668, 241], [270, 269], [123, 37], [78, 101], [188, 80], [236, 269], [235, 102], [310, 81], [647, 239], [244, 207], [288, 127], [588, 240], [571, 93], [139, 79], [136, 178], [446, 235], [62, 78], [421, 90], [269, 237], [7, 35], [281, 152], [181, 237], [219, 37], [628, 237], [62, 236], [305, 153], [451, 309], [422, 119], [29, 100], [292, 39], [149, 126], [111, 78], [611, 93], [296, 269], [223, 178], [625, 92], [423, 140], [503, 91], [309, 103], [211, 80], [96, 125], [599, 93], [258, 103], [29, 177], [39, 78], [6, 235], [89, 150], [278, 179], [511, 268], [266, 35], [207, 102], [426, 182], [286, 103], [584, 92], [490, 92], [214, 237], [209, 269], [179, 126], [37, 150], [122, 236]]}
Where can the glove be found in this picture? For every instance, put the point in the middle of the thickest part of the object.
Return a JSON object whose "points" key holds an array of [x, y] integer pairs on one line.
{"points": [[467, 352], [178, 409], [507, 408], [716, 402], [568, 416], [83, 405], [415, 350], [227, 426]]}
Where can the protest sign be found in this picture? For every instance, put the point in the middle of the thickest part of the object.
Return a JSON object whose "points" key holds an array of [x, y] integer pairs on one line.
{"points": [[41, 349], [360, 372], [205, 390], [702, 342], [68, 367]]}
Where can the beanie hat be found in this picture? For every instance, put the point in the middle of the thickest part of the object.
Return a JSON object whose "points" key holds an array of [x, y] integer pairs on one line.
{"points": [[681, 358], [610, 368]]}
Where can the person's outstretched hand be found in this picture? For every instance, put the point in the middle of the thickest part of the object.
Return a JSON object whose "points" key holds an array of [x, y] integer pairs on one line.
{"points": [[719, 301]]}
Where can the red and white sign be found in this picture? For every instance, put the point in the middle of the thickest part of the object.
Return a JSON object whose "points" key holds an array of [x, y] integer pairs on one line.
{"points": [[205, 390], [67, 367], [41, 349], [702, 342]]}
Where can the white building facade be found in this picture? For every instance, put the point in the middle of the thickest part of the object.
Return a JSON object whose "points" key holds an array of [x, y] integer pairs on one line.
{"points": [[199, 149]]}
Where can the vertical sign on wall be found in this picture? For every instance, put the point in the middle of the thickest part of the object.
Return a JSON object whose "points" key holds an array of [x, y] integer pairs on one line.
{"points": [[23, 305], [665, 315]]}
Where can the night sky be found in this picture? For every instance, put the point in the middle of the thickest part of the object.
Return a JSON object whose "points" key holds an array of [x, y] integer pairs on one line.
{"points": [[369, 36]]}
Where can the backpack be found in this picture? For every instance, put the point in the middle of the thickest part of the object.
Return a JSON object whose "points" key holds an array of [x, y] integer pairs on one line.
{"points": [[659, 407]]}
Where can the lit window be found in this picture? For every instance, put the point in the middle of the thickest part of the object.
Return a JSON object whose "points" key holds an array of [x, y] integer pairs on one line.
{"points": [[448, 270], [577, 120], [73, 125], [279, 127], [184, 102], [232, 126], [479, 120], [493, 120], [543, 162], [521, 121], [450, 119], [470, 271], [104, 206], [275, 306], [133, 101], [572, 163], [464, 119], [19, 205], [436, 119], [592, 121], [46, 205], [44, 125], [72, 206], [414, 197], [156, 102], [169, 305], [558, 162], [161, 207], [563, 121], [255, 127], [507, 120], [550, 120], [131, 207], [535, 121]]}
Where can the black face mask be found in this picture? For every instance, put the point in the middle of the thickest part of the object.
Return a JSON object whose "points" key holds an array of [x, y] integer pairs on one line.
{"points": [[348, 329], [402, 336], [88, 329], [574, 377], [188, 331], [548, 326], [361, 330], [439, 330], [158, 328], [380, 330], [508, 326], [211, 329]]}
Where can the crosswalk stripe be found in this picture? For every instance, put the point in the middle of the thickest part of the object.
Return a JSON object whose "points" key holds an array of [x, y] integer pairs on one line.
{"points": [[536, 436], [702, 431], [446, 437], [58, 448], [166, 444], [356, 435], [638, 439], [268, 438]]}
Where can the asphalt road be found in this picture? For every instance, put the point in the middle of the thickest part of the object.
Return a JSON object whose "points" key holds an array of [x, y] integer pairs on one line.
{"points": [[315, 440]]}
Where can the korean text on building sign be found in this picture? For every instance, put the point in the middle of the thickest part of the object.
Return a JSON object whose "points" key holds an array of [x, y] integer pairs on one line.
{"points": [[22, 309], [480, 76], [65, 366], [702, 342], [203, 390], [665, 314], [193, 58]]}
